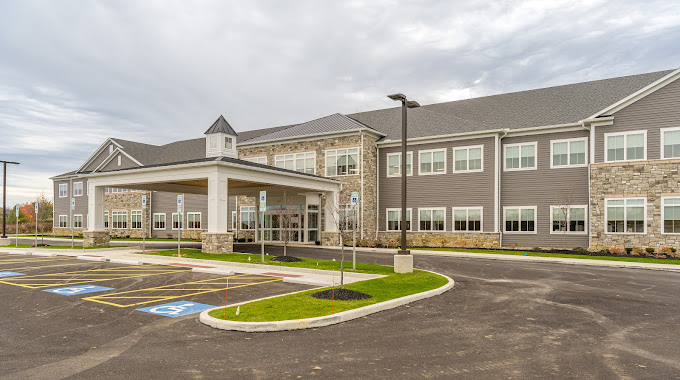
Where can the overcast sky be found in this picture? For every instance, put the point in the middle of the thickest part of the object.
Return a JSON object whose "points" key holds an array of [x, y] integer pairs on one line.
{"points": [[73, 73]]}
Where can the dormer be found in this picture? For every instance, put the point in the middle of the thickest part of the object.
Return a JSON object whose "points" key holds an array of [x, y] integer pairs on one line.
{"points": [[220, 140]]}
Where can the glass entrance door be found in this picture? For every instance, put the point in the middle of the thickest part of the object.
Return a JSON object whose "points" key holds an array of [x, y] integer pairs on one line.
{"points": [[278, 226]]}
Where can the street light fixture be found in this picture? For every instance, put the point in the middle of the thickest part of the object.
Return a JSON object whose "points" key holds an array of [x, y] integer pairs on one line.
{"points": [[4, 196], [404, 255]]}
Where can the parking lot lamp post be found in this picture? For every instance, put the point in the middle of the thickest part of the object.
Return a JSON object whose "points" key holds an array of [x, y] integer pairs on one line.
{"points": [[4, 196]]}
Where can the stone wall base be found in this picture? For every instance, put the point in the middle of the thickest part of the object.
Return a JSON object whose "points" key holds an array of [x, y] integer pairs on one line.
{"points": [[96, 238], [441, 239], [218, 243], [331, 238]]}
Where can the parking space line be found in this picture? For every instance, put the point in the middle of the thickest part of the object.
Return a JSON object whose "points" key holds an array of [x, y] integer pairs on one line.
{"points": [[49, 266], [179, 290], [17, 260], [87, 276]]}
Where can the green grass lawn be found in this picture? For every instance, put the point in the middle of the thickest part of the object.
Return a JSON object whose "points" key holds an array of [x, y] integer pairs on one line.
{"points": [[112, 239], [650, 260], [56, 247]]}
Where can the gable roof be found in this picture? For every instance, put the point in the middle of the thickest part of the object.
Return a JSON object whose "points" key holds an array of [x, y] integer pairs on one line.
{"points": [[221, 126]]}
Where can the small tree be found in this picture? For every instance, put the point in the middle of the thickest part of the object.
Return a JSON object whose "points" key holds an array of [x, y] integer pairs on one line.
{"points": [[287, 222], [343, 221], [567, 198], [45, 211]]}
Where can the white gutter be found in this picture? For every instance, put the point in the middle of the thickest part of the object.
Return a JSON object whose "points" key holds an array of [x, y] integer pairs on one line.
{"points": [[377, 189], [497, 195], [362, 185], [591, 160]]}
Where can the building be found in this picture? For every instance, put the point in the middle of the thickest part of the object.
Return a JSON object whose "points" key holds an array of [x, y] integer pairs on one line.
{"points": [[591, 164]]}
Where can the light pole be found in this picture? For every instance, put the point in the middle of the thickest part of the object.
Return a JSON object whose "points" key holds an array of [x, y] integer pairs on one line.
{"points": [[403, 262], [4, 196]]}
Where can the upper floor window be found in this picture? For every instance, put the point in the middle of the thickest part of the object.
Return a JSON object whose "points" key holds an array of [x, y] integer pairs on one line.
{"points": [[671, 215], [626, 215], [77, 189], [433, 219], [670, 142], [432, 161], [520, 219], [394, 219], [301, 162], [63, 190], [566, 153], [258, 160], [342, 162], [568, 218], [520, 156], [228, 142], [394, 164], [625, 146], [468, 159], [467, 219]]}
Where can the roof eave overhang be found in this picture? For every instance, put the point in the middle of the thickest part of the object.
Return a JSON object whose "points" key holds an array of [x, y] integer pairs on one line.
{"points": [[311, 137]]}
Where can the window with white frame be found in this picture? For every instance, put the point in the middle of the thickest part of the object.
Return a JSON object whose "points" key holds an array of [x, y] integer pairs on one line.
{"points": [[670, 142], [520, 156], [432, 162], [106, 219], [110, 148], [670, 207], [467, 219], [119, 219], [63, 190], [520, 219], [568, 219], [468, 159], [247, 217], [432, 219], [119, 160], [626, 146], [194, 220], [346, 213], [77, 221], [234, 220], [228, 142], [394, 219], [342, 162], [77, 189], [258, 160], [136, 219], [568, 153], [626, 215], [302, 162], [63, 221], [394, 164], [159, 221], [177, 221]]}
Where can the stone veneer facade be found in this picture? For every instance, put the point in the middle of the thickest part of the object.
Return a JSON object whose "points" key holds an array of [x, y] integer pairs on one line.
{"points": [[95, 238], [649, 179], [218, 243], [442, 239]]}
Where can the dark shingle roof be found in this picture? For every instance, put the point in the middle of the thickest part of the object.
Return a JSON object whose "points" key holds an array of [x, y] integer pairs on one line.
{"points": [[221, 125]]}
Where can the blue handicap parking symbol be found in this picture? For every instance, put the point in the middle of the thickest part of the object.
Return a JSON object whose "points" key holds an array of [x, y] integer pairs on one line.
{"points": [[177, 309], [80, 289], [10, 274]]}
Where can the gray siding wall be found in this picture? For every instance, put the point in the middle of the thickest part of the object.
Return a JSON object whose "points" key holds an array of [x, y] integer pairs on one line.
{"points": [[125, 163], [543, 188], [162, 202], [99, 158], [62, 206], [445, 190], [660, 109]]}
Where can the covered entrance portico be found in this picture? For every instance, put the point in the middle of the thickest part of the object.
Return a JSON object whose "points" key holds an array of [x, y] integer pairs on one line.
{"points": [[297, 195]]}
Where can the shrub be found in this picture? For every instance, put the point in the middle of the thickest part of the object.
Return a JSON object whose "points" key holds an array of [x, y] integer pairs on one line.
{"points": [[317, 242], [616, 251], [169, 235], [665, 252], [581, 250], [638, 252], [649, 250], [250, 240], [628, 250]]}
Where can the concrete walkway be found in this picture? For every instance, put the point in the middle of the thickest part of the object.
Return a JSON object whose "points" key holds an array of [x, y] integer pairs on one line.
{"points": [[126, 255]]}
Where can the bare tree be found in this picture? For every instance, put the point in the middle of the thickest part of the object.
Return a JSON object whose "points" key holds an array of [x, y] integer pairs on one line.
{"points": [[343, 222], [567, 199], [287, 222]]}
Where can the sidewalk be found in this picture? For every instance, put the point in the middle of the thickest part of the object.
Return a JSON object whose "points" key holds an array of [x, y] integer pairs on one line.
{"points": [[125, 255]]}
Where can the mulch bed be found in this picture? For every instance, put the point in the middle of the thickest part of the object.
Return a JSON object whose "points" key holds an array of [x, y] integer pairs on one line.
{"points": [[341, 295], [286, 259]]}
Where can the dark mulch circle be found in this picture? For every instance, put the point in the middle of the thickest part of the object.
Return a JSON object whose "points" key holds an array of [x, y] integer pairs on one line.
{"points": [[341, 295], [286, 259]]}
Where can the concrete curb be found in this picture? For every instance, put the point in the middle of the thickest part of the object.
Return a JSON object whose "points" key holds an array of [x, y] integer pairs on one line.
{"points": [[44, 254], [309, 323], [91, 258], [122, 261]]}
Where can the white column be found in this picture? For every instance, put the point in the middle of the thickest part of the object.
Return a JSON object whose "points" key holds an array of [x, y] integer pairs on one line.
{"points": [[218, 201], [95, 208], [331, 211]]}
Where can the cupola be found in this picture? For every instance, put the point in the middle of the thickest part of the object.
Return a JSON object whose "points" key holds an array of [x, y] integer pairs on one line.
{"points": [[220, 140]]}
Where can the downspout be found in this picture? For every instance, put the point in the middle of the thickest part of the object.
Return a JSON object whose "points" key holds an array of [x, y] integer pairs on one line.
{"points": [[150, 211], [377, 189], [362, 186], [499, 163], [591, 160]]}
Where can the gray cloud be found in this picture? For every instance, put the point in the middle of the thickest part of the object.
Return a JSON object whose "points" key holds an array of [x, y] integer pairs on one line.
{"points": [[73, 72]]}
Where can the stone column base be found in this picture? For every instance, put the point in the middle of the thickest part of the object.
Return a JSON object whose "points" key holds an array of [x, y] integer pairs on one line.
{"points": [[403, 263], [330, 238], [217, 242], [4, 242], [96, 238]]}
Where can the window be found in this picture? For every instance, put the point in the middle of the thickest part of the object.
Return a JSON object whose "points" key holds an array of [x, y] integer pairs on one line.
{"points": [[119, 160], [136, 219], [106, 219], [432, 219], [520, 219], [213, 142], [347, 219], [77, 189], [394, 219], [110, 148], [342, 162], [567, 219], [626, 215], [63, 190], [194, 220], [520, 156], [394, 164], [228, 142], [432, 162], [467, 219], [158, 221], [301, 162], [63, 221], [248, 217], [258, 160], [234, 220], [177, 221], [671, 215], [568, 153], [467, 159], [119, 220], [77, 221], [625, 146], [670, 142]]}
